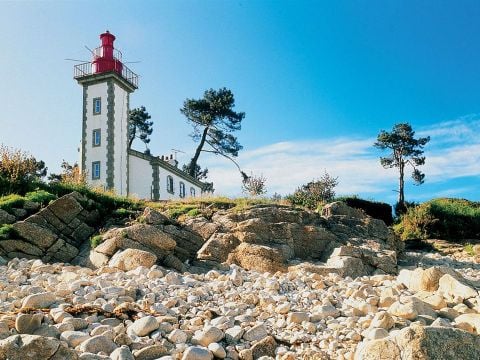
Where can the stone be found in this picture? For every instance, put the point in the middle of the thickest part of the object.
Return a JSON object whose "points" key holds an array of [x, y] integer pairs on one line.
{"points": [[78, 323], [34, 347], [209, 335], [150, 236], [122, 353], [218, 247], [297, 317], [66, 208], [177, 336], [151, 352], [153, 217], [130, 259], [436, 301], [234, 334], [405, 311], [473, 320], [424, 280], [39, 301], [441, 322], [6, 218], [217, 350], [264, 347], [256, 333], [144, 326], [28, 323], [37, 235], [376, 333], [324, 311], [98, 343], [258, 257], [197, 353], [339, 208], [382, 320], [453, 287], [74, 338]]}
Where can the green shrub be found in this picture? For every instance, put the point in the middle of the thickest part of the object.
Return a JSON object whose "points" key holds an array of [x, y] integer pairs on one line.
{"points": [[40, 196], [451, 219], [469, 249], [176, 212], [315, 193], [194, 212], [11, 201], [95, 241], [7, 232], [123, 213], [377, 210]]}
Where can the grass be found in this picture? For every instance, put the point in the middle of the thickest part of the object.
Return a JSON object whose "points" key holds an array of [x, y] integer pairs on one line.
{"points": [[468, 248], [8, 202], [7, 232], [40, 196], [95, 241]]}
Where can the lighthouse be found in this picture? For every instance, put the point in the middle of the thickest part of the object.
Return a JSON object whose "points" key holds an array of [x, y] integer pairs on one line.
{"points": [[107, 84]]}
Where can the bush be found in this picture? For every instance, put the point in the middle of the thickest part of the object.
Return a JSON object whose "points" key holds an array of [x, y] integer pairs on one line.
{"points": [[451, 219], [377, 210], [95, 241], [315, 193], [194, 212], [40, 196], [11, 201], [7, 232]]}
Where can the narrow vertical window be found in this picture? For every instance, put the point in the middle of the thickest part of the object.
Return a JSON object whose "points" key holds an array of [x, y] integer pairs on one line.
{"points": [[182, 190], [96, 141], [97, 106], [192, 192], [170, 184], [95, 170]]}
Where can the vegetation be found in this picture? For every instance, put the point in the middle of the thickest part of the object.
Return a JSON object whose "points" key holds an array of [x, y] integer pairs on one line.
{"points": [[17, 170], [95, 241], [214, 121], [444, 218], [254, 185], [71, 174], [139, 127], [40, 196], [375, 209], [7, 232], [468, 248], [405, 150], [11, 201], [315, 193]]}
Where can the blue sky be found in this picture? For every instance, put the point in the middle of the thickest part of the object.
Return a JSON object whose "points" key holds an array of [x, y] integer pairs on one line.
{"points": [[317, 79]]}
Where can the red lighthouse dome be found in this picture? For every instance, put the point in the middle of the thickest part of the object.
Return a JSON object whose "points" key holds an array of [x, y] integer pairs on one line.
{"points": [[105, 57]]}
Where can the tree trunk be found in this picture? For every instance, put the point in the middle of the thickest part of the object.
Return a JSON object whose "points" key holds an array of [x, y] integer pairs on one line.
{"points": [[194, 160], [401, 195]]}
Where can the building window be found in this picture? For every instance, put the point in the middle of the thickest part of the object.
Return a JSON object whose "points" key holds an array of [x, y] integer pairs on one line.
{"points": [[192, 192], [182, 190], [97, 106], [95, 170], [170, 184], [96, 137]]}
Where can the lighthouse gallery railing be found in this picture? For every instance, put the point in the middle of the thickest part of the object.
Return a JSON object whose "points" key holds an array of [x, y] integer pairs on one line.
{"points": [[85, 69]]}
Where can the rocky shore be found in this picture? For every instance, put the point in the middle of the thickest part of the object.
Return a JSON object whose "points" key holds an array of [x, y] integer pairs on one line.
{"points": [[56, 311]]}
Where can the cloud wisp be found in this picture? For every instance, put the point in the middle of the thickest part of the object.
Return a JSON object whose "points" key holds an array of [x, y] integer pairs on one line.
{"points": [[453, 152]]}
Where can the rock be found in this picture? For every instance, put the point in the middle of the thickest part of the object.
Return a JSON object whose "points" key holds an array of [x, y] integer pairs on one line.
{"points": [[473, 320], [324, 311], [39, 301], [177, 336], [441, 322], [66, 208], [209, 335], [376, 333], [217, 350], [34, 347], [297, 317], [258, 257], [382, 320], [150, 236], [218, 247], [41, 237], [405, 311], [3, 262], [264, 347], [339, 208], [98, 343], [78, 323], [74, 338], [453, 287], [256, 333], [234, 334], [130, 259], [151, 352], [436, 301], [197, 353], [422, 343], [6, 218], [153, 217], [424, 280], [122, 353], [28, 323], [144, 326]]}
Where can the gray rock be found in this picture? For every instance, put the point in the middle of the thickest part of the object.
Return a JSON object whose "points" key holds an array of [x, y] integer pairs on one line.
{"points": [[34, 347], [144, 326], [28, 323], [197, 353], [98, 343], [6, 218], [39, 301]]}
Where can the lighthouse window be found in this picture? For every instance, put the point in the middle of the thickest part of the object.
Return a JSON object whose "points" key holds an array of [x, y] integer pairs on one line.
{"points": [[170, 184], [182, 190], [192, 192], [96, 137], [95, 170], [97, 106]]}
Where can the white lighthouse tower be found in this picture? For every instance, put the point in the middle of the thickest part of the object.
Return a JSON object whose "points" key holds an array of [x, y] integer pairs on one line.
{"points": [[107, 85]]}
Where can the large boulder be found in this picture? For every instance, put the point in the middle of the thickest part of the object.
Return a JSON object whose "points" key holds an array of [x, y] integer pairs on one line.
{"points": [[258, 257], [422, 343], [6, 218], [34, 347], [424, 279], [130, 259]]}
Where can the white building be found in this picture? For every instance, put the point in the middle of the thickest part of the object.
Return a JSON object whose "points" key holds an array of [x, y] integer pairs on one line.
{"points": [[105, 156]]}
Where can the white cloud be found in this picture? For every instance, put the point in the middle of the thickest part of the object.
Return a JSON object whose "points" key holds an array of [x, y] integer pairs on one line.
{"points": [[453, 152]]}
